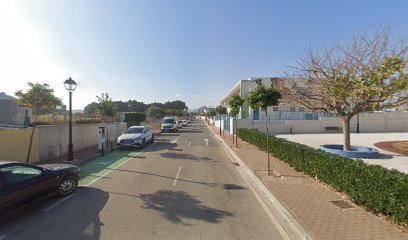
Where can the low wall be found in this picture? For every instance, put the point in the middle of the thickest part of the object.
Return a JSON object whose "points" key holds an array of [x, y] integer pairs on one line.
{"points": [[15, 143], [369, 123], [54, 139]]}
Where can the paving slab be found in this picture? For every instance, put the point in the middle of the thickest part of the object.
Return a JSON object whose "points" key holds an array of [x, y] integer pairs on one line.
{"points": [[390, 160]]}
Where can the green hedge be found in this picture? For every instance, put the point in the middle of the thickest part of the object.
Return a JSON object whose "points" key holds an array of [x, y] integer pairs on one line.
{"points": [[87, 120], [134, 118], [378, 189]]}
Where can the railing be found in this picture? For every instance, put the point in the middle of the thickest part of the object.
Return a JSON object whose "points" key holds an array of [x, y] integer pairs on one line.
{"points": [[284, 116]]}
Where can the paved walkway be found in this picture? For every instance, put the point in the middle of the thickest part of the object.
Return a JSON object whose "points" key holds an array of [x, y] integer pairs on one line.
{"points": [[390, 160], [310, 202]]}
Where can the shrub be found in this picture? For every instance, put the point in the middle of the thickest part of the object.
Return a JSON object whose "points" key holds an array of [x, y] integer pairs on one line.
{"points": [[379, 189], [87, 121], [134, 118]]}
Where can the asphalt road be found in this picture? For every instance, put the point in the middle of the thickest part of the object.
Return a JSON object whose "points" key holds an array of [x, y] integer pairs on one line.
{"points": [[183, 186]]}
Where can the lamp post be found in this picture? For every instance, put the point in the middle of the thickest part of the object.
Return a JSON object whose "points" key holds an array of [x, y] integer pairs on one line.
{"points": [[70, 85]]}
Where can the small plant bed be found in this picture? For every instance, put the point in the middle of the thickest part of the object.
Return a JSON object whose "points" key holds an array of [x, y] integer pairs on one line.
{"points": [[379, 190], [400, 147], [355, 151]]}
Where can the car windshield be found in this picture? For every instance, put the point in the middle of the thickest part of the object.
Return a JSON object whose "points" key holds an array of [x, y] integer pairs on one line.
{"points": [[168, 121], [134, 130]]}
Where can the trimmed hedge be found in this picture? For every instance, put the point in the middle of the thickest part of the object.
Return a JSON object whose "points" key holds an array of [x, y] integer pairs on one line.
{"points": [[379, 189], [134, 118], [87, 121]]}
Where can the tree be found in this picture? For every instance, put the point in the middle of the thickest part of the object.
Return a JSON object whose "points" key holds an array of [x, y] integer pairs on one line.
{"points": [[221, 111], [235, 103], [105, 105], [179, 105], [91, 109], [155, 112], [136, 106], [262, 98], [211, 112], [365, 73], [38, 96]]}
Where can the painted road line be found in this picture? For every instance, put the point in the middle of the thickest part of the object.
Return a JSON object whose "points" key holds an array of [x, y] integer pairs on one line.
{"points": [[206, 141], [189, 144], [177, 175], [115, 167], [58, 203], [175, 140]]}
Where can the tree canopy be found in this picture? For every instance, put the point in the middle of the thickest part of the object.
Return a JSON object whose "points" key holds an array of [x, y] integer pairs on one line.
{"points": [[38, 96], [368, 72]]}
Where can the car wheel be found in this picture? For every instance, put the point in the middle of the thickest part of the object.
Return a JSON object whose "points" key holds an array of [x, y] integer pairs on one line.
{"points": [[152, 140], [67, 186]]}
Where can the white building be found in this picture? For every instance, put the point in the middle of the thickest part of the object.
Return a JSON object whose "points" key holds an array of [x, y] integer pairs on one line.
{"points": [[290, 118]]}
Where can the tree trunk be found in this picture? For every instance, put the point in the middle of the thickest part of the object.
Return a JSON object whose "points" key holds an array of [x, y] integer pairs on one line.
{"points": [[236, 134], [233, 130], [346, 133], [220, 125], [267, 142]]}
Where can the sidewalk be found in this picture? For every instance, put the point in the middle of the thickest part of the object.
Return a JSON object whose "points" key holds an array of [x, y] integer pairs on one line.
{"points": [[310, 202]]}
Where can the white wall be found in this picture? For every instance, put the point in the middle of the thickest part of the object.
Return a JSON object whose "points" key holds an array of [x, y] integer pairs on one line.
{"points": [[369, 123], [54, 139]]}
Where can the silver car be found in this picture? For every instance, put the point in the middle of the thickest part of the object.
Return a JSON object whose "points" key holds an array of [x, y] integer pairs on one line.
{"points": [[136, 136]]}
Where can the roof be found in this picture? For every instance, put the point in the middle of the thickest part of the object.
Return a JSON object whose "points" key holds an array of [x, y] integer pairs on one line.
{"points": [[4, 96]]}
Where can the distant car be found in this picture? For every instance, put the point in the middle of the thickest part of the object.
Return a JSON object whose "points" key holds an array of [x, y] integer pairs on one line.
{"points": [[136, 136], [169, 124], [20, 182], [183, 123]]}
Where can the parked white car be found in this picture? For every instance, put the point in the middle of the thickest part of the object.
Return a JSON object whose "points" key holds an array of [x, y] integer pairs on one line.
{"points": [[136, 136]]}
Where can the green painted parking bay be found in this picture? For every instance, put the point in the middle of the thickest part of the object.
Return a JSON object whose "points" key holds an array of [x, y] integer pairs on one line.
{"points": [[100, 166]]}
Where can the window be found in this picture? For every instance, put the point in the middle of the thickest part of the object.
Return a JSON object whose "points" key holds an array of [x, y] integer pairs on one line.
{"points": [[301, 109], [292, 109], [275, 109], [15, 174]]}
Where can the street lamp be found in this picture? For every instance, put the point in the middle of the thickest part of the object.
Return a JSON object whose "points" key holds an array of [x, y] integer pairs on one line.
{"points": [[70, 85]]}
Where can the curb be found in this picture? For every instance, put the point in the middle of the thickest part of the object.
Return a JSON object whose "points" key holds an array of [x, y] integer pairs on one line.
{"points": [[288, 222]]}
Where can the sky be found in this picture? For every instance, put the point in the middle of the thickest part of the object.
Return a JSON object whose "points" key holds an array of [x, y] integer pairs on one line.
{"points": [[165, 50]]}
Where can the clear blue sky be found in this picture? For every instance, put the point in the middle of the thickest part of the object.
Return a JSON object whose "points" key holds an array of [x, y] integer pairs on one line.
{"points": [[163, 50]]}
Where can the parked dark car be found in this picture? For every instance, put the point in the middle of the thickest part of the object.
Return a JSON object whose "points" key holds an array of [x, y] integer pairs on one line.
{"points": [[20, 182]]}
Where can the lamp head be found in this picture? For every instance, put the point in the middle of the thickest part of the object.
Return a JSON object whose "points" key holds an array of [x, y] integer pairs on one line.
{"points": [[70, 85]]}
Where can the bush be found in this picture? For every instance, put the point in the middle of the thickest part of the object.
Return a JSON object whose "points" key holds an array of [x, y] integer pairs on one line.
{"points": [[379, 189], [87, 121], [134, 118]]}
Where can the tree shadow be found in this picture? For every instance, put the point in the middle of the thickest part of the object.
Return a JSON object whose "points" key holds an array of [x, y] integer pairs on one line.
{"points": [[75, 218], [178, 205], [174, 155], [233, 187], [167, 177]]}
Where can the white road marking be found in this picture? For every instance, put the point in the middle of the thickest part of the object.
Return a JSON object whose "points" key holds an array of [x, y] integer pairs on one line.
{"points": [[189, 144], [58, 203], [175, 140], [177, 175], [206, 141], [118, 166]]}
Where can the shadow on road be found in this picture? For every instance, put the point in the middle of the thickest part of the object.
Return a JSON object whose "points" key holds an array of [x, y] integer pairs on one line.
{"points": [[174, 155], [75, 218], [176, 206], [161, 176]]}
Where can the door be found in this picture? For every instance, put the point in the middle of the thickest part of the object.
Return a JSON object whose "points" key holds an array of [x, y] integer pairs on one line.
{"points": [[22, 182], [256, 114]]}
